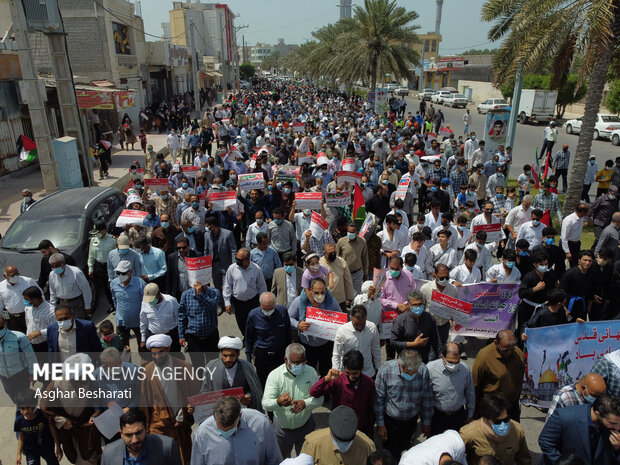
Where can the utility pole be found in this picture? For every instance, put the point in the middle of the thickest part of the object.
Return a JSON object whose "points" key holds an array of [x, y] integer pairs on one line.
{"points": [[40, 126], [421, 79], [237, 55], [243, 45], [514, 112], [194, 69]]}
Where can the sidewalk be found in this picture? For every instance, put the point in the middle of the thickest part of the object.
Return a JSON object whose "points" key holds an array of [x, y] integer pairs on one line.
{"points": [[11, 185]]}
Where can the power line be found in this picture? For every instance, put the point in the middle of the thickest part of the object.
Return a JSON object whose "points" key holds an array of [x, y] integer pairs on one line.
{"points": [[468, 47]]}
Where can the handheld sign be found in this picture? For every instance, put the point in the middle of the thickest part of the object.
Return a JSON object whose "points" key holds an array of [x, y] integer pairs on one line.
{"points": [[318, 225], [199, 269], [131, 217], [324, 323], [250, 181], [338, 199], [310, 200], [450, 308], [221, 200]]}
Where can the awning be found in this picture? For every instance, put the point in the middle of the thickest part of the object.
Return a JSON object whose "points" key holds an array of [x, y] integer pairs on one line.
{"points": [[212, 73], [102, 83]]}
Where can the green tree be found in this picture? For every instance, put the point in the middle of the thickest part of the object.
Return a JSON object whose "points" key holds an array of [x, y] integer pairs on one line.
{"points": [[568, 93], [247, 70], [378, 40], [613, 97], [272, 61], [542, 33]]}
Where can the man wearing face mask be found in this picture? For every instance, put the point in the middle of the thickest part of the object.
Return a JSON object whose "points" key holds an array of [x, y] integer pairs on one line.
{"points": [[287, 394], [181, 207], [583, 392], [243, 284], [341, 442], [159, 315], [404, 393], [281, 233], [342, 289], [27, 202], [234, 435], [123, 252], [195, 238], [68, 334], [532, 231], [39, 315], [196, 214], [12, 304], [101, 244], [177, 278], [488, 218], [268, 332], [495, 434], [453, 391], [441, 284], [127, 293], [16, 360], [69, 286], [163, 237]]}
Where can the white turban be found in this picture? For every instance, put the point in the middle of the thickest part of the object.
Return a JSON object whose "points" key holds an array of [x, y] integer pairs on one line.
{"points": [[228, 342], [158, 340], [366, 286], [77, 360]]}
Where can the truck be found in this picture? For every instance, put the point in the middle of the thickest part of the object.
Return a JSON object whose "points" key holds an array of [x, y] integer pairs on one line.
{"points": [[537, 105]]}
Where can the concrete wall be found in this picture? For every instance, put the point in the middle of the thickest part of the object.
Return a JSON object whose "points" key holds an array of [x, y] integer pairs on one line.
{"points": [[481, 90]]}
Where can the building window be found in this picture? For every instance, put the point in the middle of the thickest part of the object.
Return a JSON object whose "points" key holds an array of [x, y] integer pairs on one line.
{"points": [[434, 46], [426, 46], [121, 39]]}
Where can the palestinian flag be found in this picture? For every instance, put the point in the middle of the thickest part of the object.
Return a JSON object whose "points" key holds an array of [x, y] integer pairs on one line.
{"points": [[358, 202], [26, 149]]}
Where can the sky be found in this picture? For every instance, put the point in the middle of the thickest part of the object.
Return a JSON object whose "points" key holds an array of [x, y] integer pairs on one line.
{"points": [[294, 20]]}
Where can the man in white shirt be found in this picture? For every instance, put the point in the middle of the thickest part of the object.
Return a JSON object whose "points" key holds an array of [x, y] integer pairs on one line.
{"points": [[392, 239], [159, 315], [11, 301], [433, 218], [466, 273], [488, 218], [517, 217], [572, 226], [442, 253], [484, 259], [69, 286], [421, 252], [551, 136], [257, 227], [506, 271], [414, 183], [467, 122], [173, 142], [39, 315], [480, 155], [358, 334], [471, 145], [532, 230]]}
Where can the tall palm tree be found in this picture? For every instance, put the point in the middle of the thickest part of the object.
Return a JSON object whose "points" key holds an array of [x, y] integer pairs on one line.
{"points": [[543, 33], [325, 58], [377, 40]]}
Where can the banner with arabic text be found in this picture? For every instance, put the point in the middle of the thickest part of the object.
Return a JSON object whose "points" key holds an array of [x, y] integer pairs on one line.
{"points": [[561, 355]]}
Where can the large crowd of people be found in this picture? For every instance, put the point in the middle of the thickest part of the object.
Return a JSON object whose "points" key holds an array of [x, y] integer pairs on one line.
{"points": [[432, 210]]}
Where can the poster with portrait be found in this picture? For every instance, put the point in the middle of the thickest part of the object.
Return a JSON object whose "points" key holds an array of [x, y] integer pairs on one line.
{"points": [[495, 130]]}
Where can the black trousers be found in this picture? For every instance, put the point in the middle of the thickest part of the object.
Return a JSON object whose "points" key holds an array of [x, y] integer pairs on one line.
{"points": [[584, 193], [574, 247], [40, 347], [321, 356], [242, 310], [15, 384], [199, 347], [548, 146], [444, 421], [399, 435], [524, 313], [17, 322], [266, 361], [125, 334], [100, 280], [561, 172]]}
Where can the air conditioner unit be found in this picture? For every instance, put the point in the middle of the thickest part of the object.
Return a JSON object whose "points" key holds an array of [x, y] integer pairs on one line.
{"points": [[42, 15]]}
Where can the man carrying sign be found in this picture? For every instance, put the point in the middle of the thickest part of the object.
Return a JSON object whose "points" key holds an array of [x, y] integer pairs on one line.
{"points": [[491, 224], [442, 285]]}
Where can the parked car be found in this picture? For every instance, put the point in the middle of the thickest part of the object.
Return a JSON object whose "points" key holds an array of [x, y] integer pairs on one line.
{"points": [[491, 104], [426, 94], [439, 96], [615, 137], [66, 218], [391, 87], [402, 90], [244, 84], [603, 128], [455, 100]]}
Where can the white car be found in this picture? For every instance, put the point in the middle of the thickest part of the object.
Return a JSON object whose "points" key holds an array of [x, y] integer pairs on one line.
{"points": [[402, 90], [455, 100], [244, 84], [491, 104], [440, 96], [615, 137], [603, 128], [391, 87], [426, 94]]}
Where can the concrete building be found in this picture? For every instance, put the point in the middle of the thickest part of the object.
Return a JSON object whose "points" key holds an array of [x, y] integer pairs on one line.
{"points": [[259, 52], [214, 34]]}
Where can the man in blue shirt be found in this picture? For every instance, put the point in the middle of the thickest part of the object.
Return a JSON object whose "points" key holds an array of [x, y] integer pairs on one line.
{"points": [[265, 257], [153, 262], [16, 360], [267, 333], [127, 293]]}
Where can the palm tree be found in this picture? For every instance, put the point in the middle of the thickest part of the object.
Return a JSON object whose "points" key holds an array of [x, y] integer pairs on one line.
{"points": [[552, 33], [378, 40], [325, 58]]}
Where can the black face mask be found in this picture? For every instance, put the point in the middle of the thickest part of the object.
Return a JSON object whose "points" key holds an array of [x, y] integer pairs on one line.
{"points": [[331, 256], [239, 262]]}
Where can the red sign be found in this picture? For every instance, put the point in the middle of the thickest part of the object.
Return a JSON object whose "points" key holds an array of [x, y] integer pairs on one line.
{"points": [[156, 182], [450, 308], [95, 99], [203, 403], [495, 227]]}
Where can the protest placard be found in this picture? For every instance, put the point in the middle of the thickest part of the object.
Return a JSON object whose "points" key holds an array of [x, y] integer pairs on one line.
{"points": [[324, 323], [191, 169], [403, 187], [199, 269], [318, 225], [203, 403], [322, 159], [560, 355], [387, 318], [157, 183], [304, 157], [250, 181], [450, 308], [288, 174], [377, 276], [349, 176], [108, 423], [348, 164], [131, 217], [495, 227], [338, 199], [310, 200], [299, 127], [369, 221], [221, 200]]}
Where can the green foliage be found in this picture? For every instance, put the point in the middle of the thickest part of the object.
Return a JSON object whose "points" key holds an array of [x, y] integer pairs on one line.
{"points": [[247, 70], [613, 97], [569, 93], [272, 61], [480, 51], [530, 81]]}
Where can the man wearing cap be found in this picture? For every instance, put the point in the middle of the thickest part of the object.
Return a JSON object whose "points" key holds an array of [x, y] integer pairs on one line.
{"points": [[170, 414], [69, 286], [127, 294], [230, 371], [233, 435], [159, 314], [268, 332], [243, 284], [153, 262], [11, 301], [27, 202], [341, 442], [101, 244], [198, 321], [120, 253]]}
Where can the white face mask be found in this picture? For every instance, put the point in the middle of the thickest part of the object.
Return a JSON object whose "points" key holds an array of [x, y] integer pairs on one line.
{"points": [[65, 325], [268, 313], [342, 446], [318, 297], [451, 367], [13, 279]]}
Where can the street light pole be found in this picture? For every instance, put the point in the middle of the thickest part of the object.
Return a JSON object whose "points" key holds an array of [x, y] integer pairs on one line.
{"points": [[194, 69], [514, 112]]}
